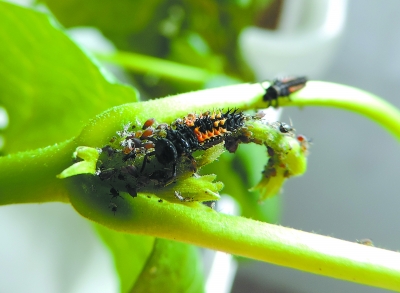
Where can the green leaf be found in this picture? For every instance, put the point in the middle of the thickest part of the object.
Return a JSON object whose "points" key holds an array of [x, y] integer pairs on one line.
{"points": [[49, 86], [253, 159], [145, 264], [130, 252], [89, 158], [200, 188], [172, 266], [239, 172]]}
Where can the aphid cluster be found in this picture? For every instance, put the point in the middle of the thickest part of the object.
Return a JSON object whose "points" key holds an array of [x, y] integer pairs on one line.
{"points": [[128, 160], [283, 87]]}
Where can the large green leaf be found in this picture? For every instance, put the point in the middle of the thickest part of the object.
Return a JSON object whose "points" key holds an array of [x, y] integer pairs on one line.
{"points": [[251, 159], [146, 264], [49, 86], [130, 252], [172, 267], [247, 163]]}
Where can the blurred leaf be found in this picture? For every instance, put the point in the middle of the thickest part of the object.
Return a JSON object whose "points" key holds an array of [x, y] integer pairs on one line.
{"points": [[172, 267], [48, 85], [130, 252], [247, 167], [252, 159], [121, 17], [198, 33], [186, 50]]}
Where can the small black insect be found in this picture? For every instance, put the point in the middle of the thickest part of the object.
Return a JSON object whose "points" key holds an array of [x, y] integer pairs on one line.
{"points": [[130, 170], [285, 128], [131, 155], [132, 191], [113, 207], [283, 87], [109, 150], [115, 193], [106, 174]]}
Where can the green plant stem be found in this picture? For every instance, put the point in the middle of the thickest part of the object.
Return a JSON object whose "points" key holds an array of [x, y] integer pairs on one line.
{"points": [[160, 67], [319, 93], [30, 177], [261, 241]]}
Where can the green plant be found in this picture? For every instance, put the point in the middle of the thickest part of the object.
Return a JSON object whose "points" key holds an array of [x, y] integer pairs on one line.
{"points": [[57, 84]]}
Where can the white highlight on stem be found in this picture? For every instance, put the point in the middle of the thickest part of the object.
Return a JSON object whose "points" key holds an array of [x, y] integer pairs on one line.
{"points": [[224, 266]]}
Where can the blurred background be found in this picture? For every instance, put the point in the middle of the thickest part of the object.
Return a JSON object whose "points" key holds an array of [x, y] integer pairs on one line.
{"points": [[349, 191]]}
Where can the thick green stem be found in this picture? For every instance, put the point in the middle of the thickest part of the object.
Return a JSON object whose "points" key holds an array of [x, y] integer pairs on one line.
{"points": [[274, 244], [30, 177]]}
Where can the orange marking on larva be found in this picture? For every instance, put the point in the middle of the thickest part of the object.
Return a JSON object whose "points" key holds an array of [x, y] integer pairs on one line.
{"points": [[204, 136], [216, 123], [218, 115], [210, 134], [201, 138], [197, 132], [217, 131], [212, 115], [223, 130], [222, 121]]}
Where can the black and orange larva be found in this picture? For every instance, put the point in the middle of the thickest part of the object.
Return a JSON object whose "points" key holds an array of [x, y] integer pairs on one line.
{"points": [[283, 87], [193, 132]]}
